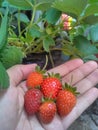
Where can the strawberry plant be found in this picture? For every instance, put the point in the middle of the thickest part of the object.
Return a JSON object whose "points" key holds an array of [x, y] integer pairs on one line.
{"points": [[31, 37], [37, 26], [81, 40], [37, 32], [9, 55]]}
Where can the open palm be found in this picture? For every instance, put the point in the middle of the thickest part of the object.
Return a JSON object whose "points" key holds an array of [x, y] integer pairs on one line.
{"points": [[12, 113]]}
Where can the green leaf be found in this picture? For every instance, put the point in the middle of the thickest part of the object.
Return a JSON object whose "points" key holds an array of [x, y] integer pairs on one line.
{"points": [[2, 11], [28, 4], [52, 15], [4, 30], [1, 2], [47, 42], [44, 4], [5, 3], [91, 9], [94, 33], [4, 78], [70, 6], [34, 31], [84, 46], [70, 50], [12, 10], [90, 57], [11, 56], [22, 4], [22, 17], [93, 1], [92, 19]]}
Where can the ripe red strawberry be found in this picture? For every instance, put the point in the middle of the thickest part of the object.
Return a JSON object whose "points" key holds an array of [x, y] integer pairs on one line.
{"points": [[66, 100], [47, 111], [35, 78], [32, 100], [50, 87]]}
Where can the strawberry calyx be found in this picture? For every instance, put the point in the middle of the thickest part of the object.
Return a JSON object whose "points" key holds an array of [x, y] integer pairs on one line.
{"points": [[39, 70], [70, 88], [45, 99], [54, 75], [36, 87]]}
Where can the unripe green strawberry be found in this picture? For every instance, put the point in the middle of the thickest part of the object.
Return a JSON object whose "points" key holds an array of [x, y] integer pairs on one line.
{"points": [[47, 111], [32, 101], [66, 100], [50, 87]]}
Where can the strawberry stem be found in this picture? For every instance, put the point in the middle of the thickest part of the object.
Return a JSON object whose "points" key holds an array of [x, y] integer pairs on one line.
{"points": [[45, 63]]}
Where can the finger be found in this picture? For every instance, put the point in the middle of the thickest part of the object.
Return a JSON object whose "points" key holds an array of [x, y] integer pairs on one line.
{"points": [[83, 103], [23, 123], [35, 124], [23, 86], [88, 82], [19, 72], [67, 67], [56, 124], [81, 72]]}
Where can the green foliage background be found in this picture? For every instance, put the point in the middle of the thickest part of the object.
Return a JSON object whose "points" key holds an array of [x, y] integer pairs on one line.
{"points": [[81, 41]]}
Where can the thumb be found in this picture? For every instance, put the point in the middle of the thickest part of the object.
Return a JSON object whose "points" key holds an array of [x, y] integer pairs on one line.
{"points": [[18, 73]]}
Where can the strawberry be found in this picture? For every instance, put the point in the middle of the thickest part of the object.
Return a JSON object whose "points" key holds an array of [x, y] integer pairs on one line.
{"points": [[47, 111], [35, 78], [50, 86], [66, 100], [32, 100]]}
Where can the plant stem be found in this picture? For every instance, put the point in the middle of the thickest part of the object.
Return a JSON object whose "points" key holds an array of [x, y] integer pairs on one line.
{"points": [[45, 63], [51, 59], [34, 11], [13, 39], [19, 29], [33, 15]]}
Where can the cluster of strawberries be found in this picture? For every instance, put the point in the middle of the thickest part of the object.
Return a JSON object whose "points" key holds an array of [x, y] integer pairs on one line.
{"points": [[67, 21], [46, 95]]}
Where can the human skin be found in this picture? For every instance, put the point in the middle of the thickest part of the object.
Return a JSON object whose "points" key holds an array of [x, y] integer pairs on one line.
{"points": [[12, 113]]}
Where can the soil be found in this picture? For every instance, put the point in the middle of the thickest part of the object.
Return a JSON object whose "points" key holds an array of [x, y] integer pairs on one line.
{"points": [[44, 58]]}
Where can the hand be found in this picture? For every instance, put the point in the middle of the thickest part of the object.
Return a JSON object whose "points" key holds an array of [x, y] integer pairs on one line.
{"points": [[12, 114]]}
